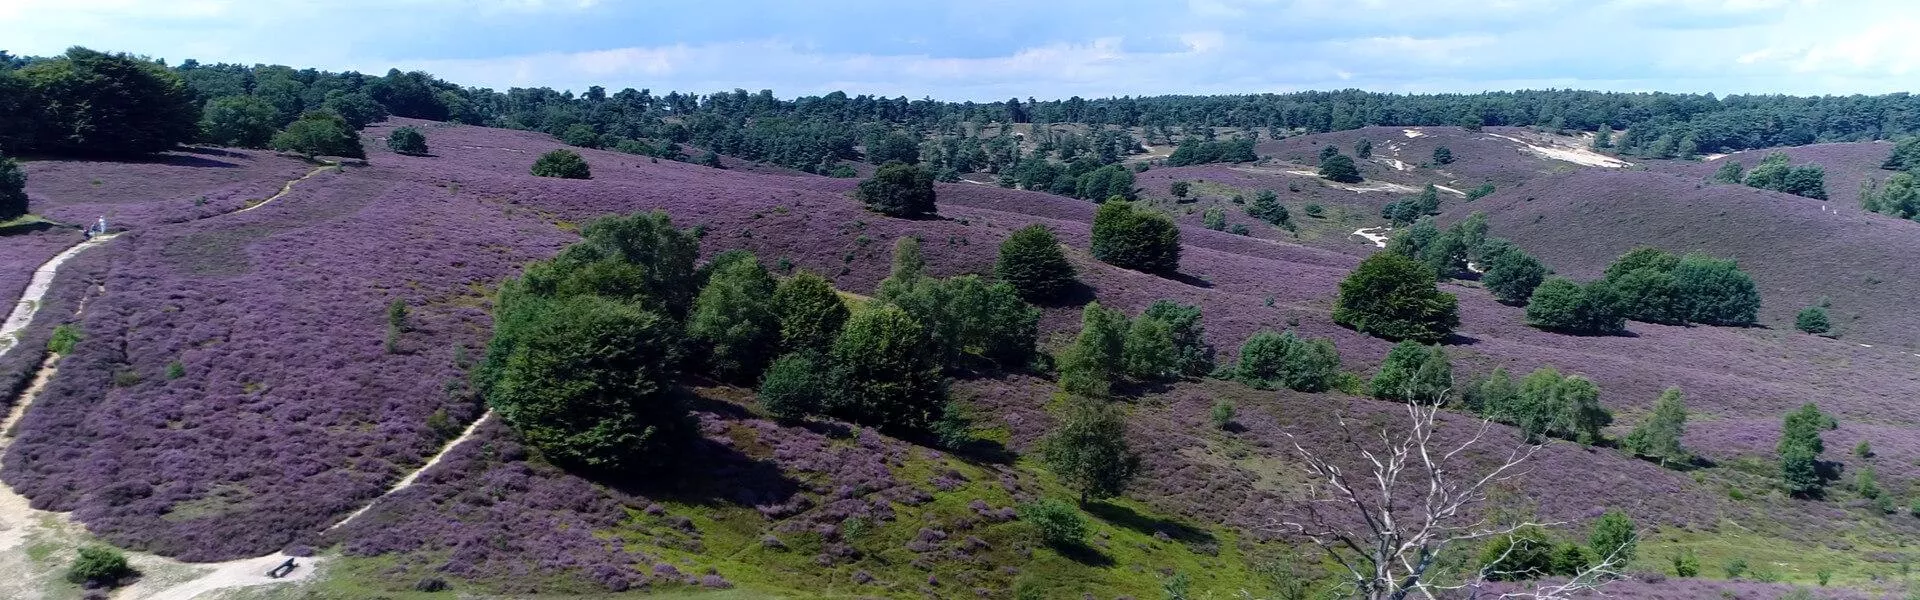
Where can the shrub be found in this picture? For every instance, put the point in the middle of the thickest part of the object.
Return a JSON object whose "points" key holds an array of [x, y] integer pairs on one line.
{"points": [[1524, 554], [175, 370], [1315, 210], [1799, 448], [1266, 207], [609, 259], [1088, 450], [733, 321], [898, 190], [63, 339], [1272, 361], [1442, 155], [1149, 351], [1735, 567], [582, 135], [1559, 304], [794, 386], [810, 313], [99, 565], [1393, 297], [1485, 189], [1774, 173], [319, 133], [407, 140], [1729, 172], [1179, 189], [1129, 238], [1214, 219], [1571, 559], [1097, 357], [886, 373], [1659, 436], [1032, 262], [1111, 181], [562, 163], [1339, 168], [13, 190], [1864, 449], [1905, 155], [1511, 274], [1195, 355], [358, 108], [1685, 564], [243, 121], [1222, 413], [1058, 523], [1812, 319], [1363, 148], [1651, 296], [1716, 291], [1562, 406], [1413, 372], [1614, 537]]}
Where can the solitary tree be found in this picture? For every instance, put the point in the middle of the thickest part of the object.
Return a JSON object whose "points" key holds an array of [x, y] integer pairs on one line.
{"points": [[320, 133], [1089, 451], [1800, 447], [407, 140], [562, 163], [1393, 297], [1812, 319], [1339, 167], [898, 190], [13, 190], [1031, 260], [1659, 436], [1614, 536], [1131, 238], [1442, 155]]}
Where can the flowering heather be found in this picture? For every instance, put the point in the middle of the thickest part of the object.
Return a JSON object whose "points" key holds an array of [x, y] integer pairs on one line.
{"points": [[75, 282], [21, 253], [169, 188]]}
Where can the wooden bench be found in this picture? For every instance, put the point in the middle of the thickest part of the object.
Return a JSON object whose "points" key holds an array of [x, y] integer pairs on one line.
{"points": [[282, 570]]}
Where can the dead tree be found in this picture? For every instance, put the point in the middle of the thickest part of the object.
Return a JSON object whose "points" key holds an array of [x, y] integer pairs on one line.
{"points": [[1387, 526]]}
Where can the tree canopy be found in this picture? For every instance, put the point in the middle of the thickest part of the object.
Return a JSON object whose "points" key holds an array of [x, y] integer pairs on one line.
{"points": [[1391, 296], [1135, 238], [563, 164], [319, 133], [898, 190], [1032, 262]]}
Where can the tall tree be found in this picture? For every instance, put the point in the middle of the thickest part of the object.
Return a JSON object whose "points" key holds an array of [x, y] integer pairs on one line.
{"points": [[1194, 354], [810, 312], [898, 190], [89, 102], [734, 322], [1659, 436], [885, 374], [1131, 238], [1089, 450], [243, 121], [13, 190], [1097, 357], [319, 133], [1393, 297]]}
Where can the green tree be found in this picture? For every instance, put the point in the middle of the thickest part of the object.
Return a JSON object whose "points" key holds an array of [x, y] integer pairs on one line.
{"points": [[1413, 372], [1363, 148], [1729, 172], [795, 386], [1272, 361], [1650, 295], [1131, 238], [1266, 207], [1089, 451], [1339, 168], [1524, 554], [1686, 564], [1642, 258], [1614, 538], [1442, 155], [892, 146], [1058, 523], [1194, 354], [1179, 189], [319, 133], [1393, 297], [358, 108], [582, 135], [1221, 414], [1097, 357], [1149, 351], [1563, 406], [734, 322], [885, 373], [810, 313], [898, 190], [1603, 139], [1559, 304], [1214, 219], [99, 565], [1800, 447], [1716, 291], [1511, 274], [1031, 261], [1905, 155], [1109, 181], [88, 102], [1659, 436], [242, 121], [1812, 319], [562, 163], [13, 190], [639, 258], [407, 140]]}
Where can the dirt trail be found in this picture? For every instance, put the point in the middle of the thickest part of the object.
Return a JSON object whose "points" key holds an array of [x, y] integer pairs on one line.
{"points": [[37, 288], [1377, 235], [286, 189], [408, 480]]}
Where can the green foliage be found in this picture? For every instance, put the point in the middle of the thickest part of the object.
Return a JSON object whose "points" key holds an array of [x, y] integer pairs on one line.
{"points": [[1413, 372], [1266, 207], [407, 140], [1685, 564], [1444, 253], [1110, 181], [1484, 190], [1864, 449], [1494, 396], [562, 163], [175, 370], [638, 258], [1176, 587], [319, 133], [396, 324], [1614, 537], [1031, 261], [1222, 413], [1194, 151], [1149, 351], [1138, 239], [1651, 296], [1905, 155], [1088, 450], [1603, 139], [1812, 319], [1525, 554], [1716, 291], [243, 121], [795, 386], [1659, 436], [1729, 172], [1214, 219], [13, 190], [64, 337], [1097, 357], [1898, 197], [967, 316], [1571, 559], [1510, 273], [733, 322], [886, 372], [1179, 189], [1394, 297], [1866, 483], [892, 146], [582, 135], [1363, 148], [810, 313], [898, 190], [1559, 304], [1642, 258], [1545, 403], [1271, 361], [1442, 155], [88, 102], [1339, 168], [1315, 210], [1059, 524], [358, 108], [1799, 448], [1195, 355], [1774, 173], [100, 565], [1735, 567]]}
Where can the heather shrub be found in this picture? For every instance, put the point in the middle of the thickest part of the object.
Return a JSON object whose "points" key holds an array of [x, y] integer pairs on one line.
{"points": [[1394, 297], [1194, 354], [1058, 523], [562, 163], [1659, 436], [1179, 189], [1339, 167], [1614, 537], [1137, 239], [1559, 304], [242, 121], [795, 386], [1272, 361], [1510, 274], [1413, 372], [1097, 358], [1088, 450], [885, 372], [1032, 262], [733, 322], [407, 140], [99, 565], [13, 190], [898, 190], [319, 133], [810, 313], [63, 339]]}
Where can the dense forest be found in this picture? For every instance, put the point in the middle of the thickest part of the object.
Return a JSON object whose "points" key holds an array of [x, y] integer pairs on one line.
{"points": [[73, 104]]}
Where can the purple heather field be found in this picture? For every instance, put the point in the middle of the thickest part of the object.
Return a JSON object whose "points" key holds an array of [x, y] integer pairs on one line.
{"points": [[290, 414]]}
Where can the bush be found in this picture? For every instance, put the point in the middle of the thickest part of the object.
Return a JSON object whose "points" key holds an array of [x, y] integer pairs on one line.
{"points": [[1097, 357], [1394, 297], [1214, 219], [1774, 173], [1812, 319], [1032, 262], [13, 190], [733, 321], [1442, 155], [243, 121], [1614, 537], [358, 108], [794, 386], [1272, 361], [562, 163], [99, 565], [1511, 274], [810, 313], [1179, 189], [1111, 181], [1149, 351], [1524, 554], [1222, 413], [1413, 372], [898, 190], [1659, 436], [1195, 355], [1559, 304], [1088, 450], [1135, 239], [320, 133], [1650, 295], [1315, 210], [1266, 207], [1716, 291], [1339, 168], [1685, 564], [1059, 523], [886, 373], [63, 338], [407, 140], [582, 135], [1562, 406]]}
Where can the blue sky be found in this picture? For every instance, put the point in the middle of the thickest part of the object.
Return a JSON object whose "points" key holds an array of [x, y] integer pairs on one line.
{"points": [[995, 49]]}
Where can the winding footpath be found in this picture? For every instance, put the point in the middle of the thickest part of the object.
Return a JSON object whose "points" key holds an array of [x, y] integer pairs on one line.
{"points": [[163, 578]]}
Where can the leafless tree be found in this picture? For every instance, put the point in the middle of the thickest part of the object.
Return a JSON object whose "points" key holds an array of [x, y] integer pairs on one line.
{"points": [[1387, 526]]}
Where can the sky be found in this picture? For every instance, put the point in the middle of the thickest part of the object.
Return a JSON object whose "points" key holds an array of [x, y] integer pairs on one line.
{"points": [[988, 50]]}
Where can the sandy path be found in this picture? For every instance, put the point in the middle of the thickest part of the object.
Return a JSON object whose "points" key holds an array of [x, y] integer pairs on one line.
{"points": [[1377, 235], [1578, 156], [1450, 190], [288, 188], [408, 480], [37, 289]]}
